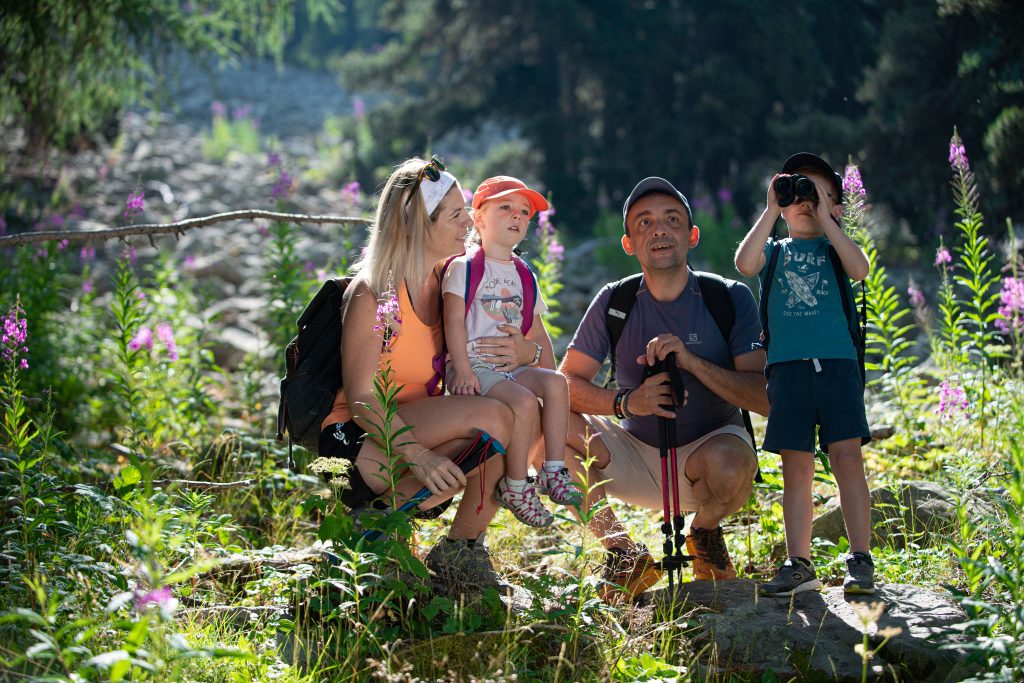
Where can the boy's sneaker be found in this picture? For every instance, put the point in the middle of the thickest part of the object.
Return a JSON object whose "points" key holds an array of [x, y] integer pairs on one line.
{"points": [[711, 559], [525, 504], [627, 573], [462, 565], [558, 486], [860, 574], [796, 575]]}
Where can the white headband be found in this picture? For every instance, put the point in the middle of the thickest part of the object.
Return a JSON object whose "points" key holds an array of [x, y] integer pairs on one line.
{"points": [[434, 190]]}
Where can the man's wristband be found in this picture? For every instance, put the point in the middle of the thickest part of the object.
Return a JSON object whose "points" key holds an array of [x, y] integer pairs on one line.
{"points": [[619, 405]]}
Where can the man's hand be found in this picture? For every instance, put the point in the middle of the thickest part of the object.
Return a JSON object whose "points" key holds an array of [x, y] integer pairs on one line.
{"points": [[664, 344]]}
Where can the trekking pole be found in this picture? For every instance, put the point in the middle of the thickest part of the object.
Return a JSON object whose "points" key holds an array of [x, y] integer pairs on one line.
{"points": [[668, 562], [672, 438]]}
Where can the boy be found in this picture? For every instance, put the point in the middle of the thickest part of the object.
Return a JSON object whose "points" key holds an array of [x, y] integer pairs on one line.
{"points": [[813, 373], [502, 208]]}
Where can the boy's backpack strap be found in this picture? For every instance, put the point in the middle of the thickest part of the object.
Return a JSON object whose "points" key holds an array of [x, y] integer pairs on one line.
{"points": [[857, 325], [766, 286], [616, 313], [529, 281]]}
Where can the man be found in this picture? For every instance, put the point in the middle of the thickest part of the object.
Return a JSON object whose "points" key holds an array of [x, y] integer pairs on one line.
{"points": [[717, 462]]}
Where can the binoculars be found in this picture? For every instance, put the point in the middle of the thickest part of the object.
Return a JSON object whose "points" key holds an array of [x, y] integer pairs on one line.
{"points": [[794, 188]]}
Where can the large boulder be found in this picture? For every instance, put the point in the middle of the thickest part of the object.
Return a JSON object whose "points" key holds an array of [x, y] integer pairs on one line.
{"points": [[813, 636], [907, 511]]}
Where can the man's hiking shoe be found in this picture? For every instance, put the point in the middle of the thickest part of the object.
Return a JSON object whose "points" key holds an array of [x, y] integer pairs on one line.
{"points": [[558, 486], [525, 504], [796, 575], [711, 561], [860, 574], [627, 573], [462, 566]]}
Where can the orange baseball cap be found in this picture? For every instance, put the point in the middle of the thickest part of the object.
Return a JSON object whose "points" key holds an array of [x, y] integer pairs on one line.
{"points": [[502, 185]]}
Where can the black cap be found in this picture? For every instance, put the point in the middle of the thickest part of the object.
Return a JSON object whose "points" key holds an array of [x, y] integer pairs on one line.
{"points": [[654, 185], [808, 160]]}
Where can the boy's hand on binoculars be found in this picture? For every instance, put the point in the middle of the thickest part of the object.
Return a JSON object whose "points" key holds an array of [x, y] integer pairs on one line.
{"points": [[773, 198]]}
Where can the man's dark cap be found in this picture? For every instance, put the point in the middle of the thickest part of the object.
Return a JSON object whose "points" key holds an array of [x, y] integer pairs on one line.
{"points": [[654, 185], [808, 160]]}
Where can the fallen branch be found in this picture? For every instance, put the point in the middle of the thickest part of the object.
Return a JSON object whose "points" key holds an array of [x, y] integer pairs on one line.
{"points": [[176, 229], [107, 486]]}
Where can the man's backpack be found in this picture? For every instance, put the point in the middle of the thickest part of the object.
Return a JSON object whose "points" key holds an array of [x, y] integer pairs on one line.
{"points": [[312, 369], [714, 289], [857, 324]]}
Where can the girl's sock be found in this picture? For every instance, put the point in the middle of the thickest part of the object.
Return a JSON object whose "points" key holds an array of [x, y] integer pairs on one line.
{"points": [[553, 465], [517, 485]]}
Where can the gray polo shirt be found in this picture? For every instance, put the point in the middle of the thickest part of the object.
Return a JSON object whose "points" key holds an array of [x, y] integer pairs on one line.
{"points": [[688, 318]]}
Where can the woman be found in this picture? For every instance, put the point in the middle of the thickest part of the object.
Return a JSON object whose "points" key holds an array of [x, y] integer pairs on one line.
{"points": [[421, 219]]}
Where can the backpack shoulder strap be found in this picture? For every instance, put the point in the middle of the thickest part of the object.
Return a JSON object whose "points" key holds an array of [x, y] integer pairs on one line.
{"points": [[847, 287], [616, 313], [474, 275], [715, 290], [766, 287], [857, 324], [529, 281]]}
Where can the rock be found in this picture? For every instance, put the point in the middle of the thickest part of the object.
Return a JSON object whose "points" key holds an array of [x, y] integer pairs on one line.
{"points": [[224, 267], [471, 655], [231, 344], [910, 510], [813, 636]]}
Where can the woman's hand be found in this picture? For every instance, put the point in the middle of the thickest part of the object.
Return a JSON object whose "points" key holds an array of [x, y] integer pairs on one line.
{"points": [[509, 352], [437, 473]]}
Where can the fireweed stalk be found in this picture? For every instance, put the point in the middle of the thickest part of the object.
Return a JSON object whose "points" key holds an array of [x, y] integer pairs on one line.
{"points": [[975, 275], [888, 333], [286, 282], [548, 268], [130, 338]]}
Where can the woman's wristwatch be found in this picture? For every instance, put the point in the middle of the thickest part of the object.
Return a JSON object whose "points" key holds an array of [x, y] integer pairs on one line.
{"points": [[536, 355]]}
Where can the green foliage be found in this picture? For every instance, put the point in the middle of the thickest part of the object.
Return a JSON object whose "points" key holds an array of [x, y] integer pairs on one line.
{"points": [[110, 55], [227, 135]]}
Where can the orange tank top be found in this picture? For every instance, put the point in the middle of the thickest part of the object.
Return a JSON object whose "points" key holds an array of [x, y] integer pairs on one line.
{"points": [[412, 353]]}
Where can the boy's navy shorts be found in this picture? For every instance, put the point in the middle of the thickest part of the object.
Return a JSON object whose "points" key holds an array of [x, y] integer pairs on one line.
{"points": [[803, 399]]}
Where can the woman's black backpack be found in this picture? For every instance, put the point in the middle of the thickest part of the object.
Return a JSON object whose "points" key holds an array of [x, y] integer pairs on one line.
{"points": [[312, 369]]}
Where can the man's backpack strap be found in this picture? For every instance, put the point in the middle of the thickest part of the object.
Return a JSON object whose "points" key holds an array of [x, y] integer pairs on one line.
{"points": [[616, 313], [715, 290]]}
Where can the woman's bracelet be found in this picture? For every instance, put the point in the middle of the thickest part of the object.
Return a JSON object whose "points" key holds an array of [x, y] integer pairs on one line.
{"points": [[418, 454], [625, 403]]}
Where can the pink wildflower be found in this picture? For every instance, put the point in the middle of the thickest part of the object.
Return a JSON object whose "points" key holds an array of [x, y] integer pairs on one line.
{"points": [[161, 598], [1011, 308], [135, 204], [916, 296], [358, 108], [388, 317], [724, 195], [350, 193], [958, 154], [273, 160], [853, 184], [544, 221], [57, 220], [241, 112], [142, 338], [952, 400], [219, 109], [556, 251], [13, 338], [942, 257], [88, 254], [62, 245], [467, 196], [283, 187], [87, 287], [165, 333]]}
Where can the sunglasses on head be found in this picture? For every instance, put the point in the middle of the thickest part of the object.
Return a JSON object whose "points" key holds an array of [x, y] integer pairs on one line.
{"points": [[432, 171]]}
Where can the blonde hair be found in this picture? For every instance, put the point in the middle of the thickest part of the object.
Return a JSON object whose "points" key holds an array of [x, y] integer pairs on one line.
{"points": [[394, 252]]}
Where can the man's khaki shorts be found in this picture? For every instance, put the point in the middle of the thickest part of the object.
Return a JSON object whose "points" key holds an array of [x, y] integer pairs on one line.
{"points": [[634, 470]]}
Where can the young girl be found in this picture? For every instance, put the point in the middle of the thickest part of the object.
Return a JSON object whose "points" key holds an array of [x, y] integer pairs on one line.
{"points": [[496, 293]]}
